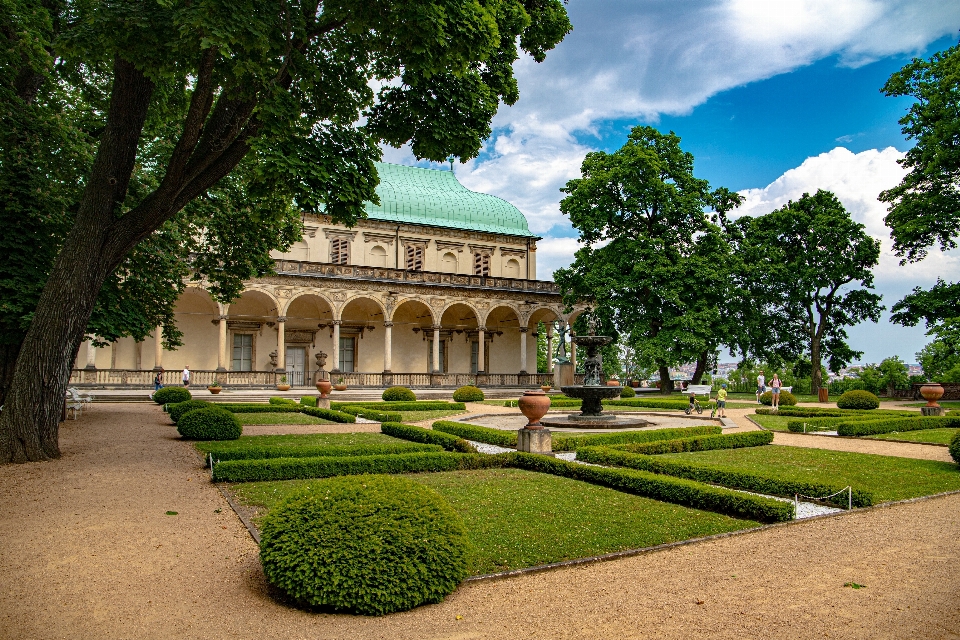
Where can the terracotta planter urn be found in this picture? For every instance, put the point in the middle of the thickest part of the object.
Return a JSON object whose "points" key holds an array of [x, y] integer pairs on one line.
{"points": [[283, 387], [635, 384], [613, 383], [534, 405], [340, 387], [214, 390], [545, 387], [931, 393], [324, 386]]}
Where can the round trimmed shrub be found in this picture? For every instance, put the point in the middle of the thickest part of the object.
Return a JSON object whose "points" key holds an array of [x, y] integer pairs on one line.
{"points": [[177, 410], [627, 392], [399, 394], [468, 393], [858, 400], [170, 395], [210, 423], [955, 447], [787, 399], [365, 544]]}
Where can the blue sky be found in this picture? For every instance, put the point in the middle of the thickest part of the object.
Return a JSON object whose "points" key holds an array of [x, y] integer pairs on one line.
{"points": [[772, 98]]}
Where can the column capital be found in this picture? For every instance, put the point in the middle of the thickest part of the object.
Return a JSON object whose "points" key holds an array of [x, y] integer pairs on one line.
{"points": [[388, 324], [224, 316], [524, 329], [336, 322], [435, 327], [281, 318], [481, 328]]}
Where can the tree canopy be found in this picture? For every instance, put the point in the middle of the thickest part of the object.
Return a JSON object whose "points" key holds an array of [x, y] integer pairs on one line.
{"points": [[654, 263], [288, 99]]}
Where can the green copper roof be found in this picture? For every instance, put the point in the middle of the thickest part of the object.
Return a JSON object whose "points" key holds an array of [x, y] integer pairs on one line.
{"points": [[435, 198]]}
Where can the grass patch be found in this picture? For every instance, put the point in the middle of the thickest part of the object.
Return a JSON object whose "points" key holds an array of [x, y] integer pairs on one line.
{"points": [[418, 416], [774, 423], [296, 440], [887, 478], [948, 404], [279, 418], [932, 436], [519, 518]]}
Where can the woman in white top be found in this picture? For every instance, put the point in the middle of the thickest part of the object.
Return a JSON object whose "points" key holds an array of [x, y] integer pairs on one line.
{"points": [[186, 376], [775, 385]]}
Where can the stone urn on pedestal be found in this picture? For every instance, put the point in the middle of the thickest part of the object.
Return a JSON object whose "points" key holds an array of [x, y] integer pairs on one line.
{"points": [[533, 438], [932, 392]]}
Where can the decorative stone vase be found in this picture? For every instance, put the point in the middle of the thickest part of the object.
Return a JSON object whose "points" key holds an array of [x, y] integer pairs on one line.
{"points": [[931, 393], [613, 383], [635, 384], [324, 386], [534, 405], [545, 387], [214, 390], [340, 387], [283, 387]]}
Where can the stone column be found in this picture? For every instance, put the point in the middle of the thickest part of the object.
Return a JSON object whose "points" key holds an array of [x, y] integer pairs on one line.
{"points": [[436, 349], [222, 344], [91, 355], [281, 344], [523, 350], [573, 352], [481, 349], [550, 348], [336, 347], [158, 348], [387, 346]]}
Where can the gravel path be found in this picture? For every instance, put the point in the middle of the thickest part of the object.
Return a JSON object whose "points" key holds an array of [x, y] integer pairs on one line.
{"points": [[88, 552]]}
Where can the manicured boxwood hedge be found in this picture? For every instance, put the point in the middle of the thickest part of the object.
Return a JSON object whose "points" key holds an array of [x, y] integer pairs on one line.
{"points": [[426, 436], [478, 433], [955, 447], [257, 407], [328, 466], [371, 414], [263, 452], [178, 409], [419, 405], [734, 479], [649, 403], [699, 443], [468, 393], [211, 423], [687, 493], [874, 427], [328, 414], [280, 400], [787, 399], [170, 395], [405, 546], [628, 392], [399, 394], [858, 399], [821, 424], [802, 412], [574, 442], [309, 401]]}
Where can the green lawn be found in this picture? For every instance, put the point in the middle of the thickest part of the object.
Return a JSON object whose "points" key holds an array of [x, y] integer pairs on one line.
{"points": [[948, 404], [294, 440], [521, 519], [774, 423], [417, 416], [886, 477], [935, 436], [279, 418]]}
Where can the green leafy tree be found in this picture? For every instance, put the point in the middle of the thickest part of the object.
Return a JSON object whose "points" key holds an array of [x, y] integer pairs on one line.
{"points": [[292, 98], [941, 354], [894, 374], [654, 261], [811, 267]]}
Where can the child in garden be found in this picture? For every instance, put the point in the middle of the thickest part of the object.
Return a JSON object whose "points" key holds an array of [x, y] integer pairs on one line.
{"points": [[721, 402]]}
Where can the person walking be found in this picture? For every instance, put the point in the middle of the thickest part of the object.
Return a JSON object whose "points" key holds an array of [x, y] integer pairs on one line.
{"points": [[761, 386], [775, 385], [722, 401], [158, 380], [186, 376]]}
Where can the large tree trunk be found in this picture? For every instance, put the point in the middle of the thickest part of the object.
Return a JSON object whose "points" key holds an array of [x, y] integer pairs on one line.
{"points": [[816, 375], [8, 360], [666, 384], [702, 361], [29, 424]]}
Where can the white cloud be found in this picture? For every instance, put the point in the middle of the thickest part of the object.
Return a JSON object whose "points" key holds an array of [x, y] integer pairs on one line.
{"points": [[554, 253]]}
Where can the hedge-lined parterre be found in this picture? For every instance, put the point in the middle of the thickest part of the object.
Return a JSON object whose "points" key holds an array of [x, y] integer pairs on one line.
{"points": [[308, 401], [574, 442], [955, 448], [873, 427], [687, 493], [787, 399], [468, 393], [699, 443], [426, 436], [279, 400], [648, 403], [262, 452], [366, 544], [746, 480], [329, 466], [210, 423], [257, 407], [419, 405], [371, 414], [170, 395], [858, 399], [328, 414], [477, 433], [399, 394], [178, 409]]}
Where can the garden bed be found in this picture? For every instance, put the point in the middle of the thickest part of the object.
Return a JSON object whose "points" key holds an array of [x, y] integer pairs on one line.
{"points": [[279, 418], [925, 436]]}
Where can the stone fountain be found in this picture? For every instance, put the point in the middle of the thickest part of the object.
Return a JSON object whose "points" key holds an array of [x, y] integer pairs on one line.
{"points": [[592, 391]]}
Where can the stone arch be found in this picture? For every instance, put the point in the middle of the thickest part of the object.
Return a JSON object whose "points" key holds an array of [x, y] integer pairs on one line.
{"points": [[434, 317], [378, 256], [543, 314], [315, 293], [490, 312], [452, 303]]}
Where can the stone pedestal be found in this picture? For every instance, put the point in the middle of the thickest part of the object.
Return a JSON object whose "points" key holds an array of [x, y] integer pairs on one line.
{"points": [[323, 403], [535, 441], [933, 411], [562, 375]]}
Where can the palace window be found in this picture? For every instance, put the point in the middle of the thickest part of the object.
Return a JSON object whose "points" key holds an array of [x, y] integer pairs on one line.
{"points": [[242, 352], [340, 251], [481, 264], [443, 356], [348, 354], [414, 258]]}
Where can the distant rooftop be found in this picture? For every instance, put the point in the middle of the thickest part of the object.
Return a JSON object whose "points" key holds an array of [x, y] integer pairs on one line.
{"points": [[436, 198]]}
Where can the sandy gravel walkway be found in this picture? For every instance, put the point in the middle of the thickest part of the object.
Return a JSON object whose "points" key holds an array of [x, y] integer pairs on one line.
{"points": [[88, 552]]}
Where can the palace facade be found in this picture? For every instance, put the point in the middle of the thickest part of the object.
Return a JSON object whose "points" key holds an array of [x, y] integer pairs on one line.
{"points": [[436, 287]]}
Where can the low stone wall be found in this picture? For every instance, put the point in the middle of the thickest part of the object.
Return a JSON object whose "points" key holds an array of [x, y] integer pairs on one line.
{"points": [[951, 391]]}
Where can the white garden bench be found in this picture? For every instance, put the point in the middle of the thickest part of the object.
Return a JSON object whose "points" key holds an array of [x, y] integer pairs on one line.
{"points": [[76, 400], [699, 389]]}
